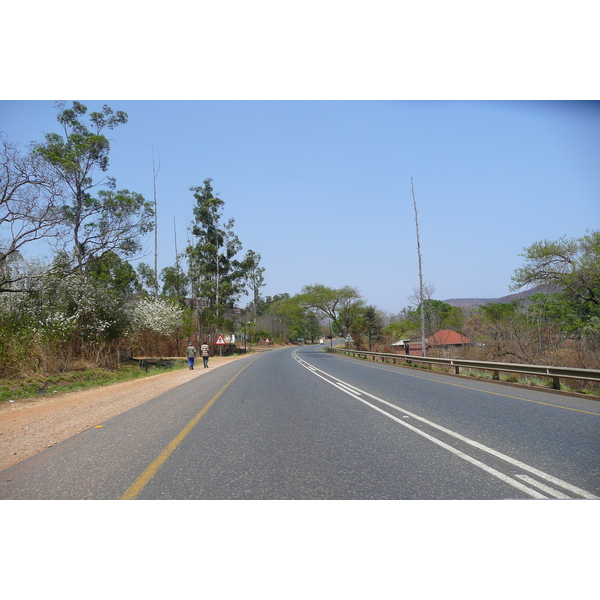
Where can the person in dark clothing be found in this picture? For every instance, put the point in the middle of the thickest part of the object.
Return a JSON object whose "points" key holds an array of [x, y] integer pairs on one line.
{"points": [[204, 351]]}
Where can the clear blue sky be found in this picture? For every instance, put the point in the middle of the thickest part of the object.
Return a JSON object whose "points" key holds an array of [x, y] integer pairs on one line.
{"points": [[322, 189]]}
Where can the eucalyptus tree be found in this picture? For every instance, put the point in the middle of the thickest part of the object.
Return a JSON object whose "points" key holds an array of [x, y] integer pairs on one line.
{"points": [[175, 283], [218, 279], [97, 218], [146, 280], [254, 278]]}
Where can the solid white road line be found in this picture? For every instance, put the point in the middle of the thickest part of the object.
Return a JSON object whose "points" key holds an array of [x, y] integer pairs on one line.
{"points": [[541, 486], [353, 391]]}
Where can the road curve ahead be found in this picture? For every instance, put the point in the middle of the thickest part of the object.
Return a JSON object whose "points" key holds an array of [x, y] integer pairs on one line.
{"points": [[299, 423]]}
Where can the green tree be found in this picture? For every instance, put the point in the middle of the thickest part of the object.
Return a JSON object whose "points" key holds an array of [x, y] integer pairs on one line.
{"points": [[343, 305], [289, 317], [312, 326], [275, 313], [438, 315], [373, 325], [396, 329], [254, 278], [114, 273], [553, 311], [112, 220], [570, 266], [175, 283], [217, 277], [145, 279]]}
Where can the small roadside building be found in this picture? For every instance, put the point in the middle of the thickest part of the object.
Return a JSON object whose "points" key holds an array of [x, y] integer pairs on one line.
{"points": [[412, 347], [441, 341]]}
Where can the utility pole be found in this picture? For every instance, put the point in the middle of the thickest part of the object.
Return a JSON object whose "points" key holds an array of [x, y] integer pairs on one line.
{"points": [[421, 295]]}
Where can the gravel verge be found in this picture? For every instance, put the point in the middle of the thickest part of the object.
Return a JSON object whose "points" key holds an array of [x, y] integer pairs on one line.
{"points": [[31, 425]]}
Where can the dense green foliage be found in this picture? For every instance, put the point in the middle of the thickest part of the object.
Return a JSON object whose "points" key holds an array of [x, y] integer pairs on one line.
{"points": [[572, 267], [342, 306]]}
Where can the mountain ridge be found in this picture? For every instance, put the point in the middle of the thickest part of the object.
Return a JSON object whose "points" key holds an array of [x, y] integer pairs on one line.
{"points": [[475, 302]]}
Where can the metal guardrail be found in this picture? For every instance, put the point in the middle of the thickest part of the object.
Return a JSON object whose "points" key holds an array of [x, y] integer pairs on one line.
{"points": [[556, 373]]}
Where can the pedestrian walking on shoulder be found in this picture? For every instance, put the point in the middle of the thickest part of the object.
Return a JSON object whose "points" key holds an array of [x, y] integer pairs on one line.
{"points": [[191, 353], [204, 351]]}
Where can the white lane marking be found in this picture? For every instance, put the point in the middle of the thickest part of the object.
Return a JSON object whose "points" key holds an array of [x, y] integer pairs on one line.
{"points": [[516, 484], [549, 478], [541, 486], [341, 387], [349, 387]]}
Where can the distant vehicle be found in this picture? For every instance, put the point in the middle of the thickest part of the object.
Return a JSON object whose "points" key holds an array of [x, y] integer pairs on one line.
{"points": [[321, 341]]}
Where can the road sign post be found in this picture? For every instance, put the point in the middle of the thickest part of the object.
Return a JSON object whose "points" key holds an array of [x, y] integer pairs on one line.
{"points": [[220, 342]]}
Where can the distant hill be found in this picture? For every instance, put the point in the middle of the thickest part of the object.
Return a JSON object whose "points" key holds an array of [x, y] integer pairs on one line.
{"points": [[474, 302]]}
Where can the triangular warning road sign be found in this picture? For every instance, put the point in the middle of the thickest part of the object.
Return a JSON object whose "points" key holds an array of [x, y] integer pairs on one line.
{"points": [[220, 341]]}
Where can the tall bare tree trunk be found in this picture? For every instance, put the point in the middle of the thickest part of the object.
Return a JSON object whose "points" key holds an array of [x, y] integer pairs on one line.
{"points": [[421, 294], [154, 174]]}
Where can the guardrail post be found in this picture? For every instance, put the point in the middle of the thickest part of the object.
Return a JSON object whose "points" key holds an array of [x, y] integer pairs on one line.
{"points": [[555, 380]]}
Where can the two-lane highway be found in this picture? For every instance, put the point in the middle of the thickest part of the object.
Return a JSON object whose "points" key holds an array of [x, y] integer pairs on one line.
{"points": [[300, 423]]}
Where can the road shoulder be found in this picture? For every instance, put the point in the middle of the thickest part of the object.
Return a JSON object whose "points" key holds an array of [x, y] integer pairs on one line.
{"points": [[31, 425]]}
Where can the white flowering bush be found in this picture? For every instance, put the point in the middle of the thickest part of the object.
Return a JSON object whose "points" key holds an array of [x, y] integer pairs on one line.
{"points": [[57, 327], [156, 315]]}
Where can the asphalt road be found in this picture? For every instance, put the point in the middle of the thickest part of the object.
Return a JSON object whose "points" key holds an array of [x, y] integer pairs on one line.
{"points": [[299, 423]]}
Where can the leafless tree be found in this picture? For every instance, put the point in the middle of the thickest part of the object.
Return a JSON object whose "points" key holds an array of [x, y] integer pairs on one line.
{"points": [[421, 290], [154, 175], [29, 195]]}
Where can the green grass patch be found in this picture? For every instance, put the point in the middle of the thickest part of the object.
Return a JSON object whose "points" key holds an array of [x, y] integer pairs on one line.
{"points": [[74, 381]]}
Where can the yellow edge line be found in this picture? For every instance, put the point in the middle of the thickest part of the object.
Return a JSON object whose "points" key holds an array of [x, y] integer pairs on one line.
{"points": [[466, 387], [142, 481]]}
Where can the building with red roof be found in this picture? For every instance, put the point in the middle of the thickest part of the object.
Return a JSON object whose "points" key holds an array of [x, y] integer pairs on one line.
{"points": [[448, 337], [441, 340]]}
